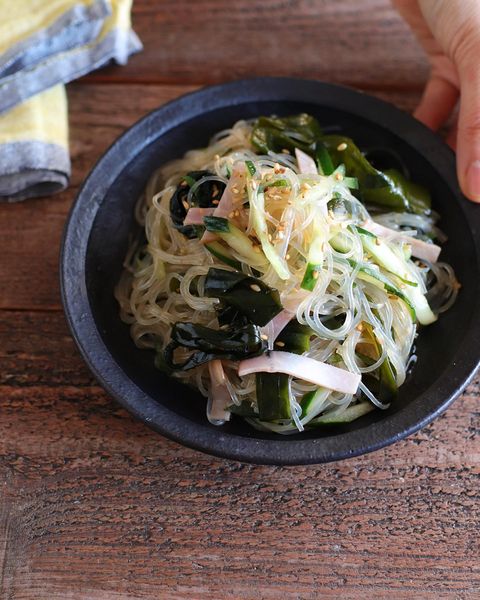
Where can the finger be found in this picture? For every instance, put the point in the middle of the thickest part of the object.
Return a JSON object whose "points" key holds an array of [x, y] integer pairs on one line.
{"points": [[468, 140], [437, 103]]}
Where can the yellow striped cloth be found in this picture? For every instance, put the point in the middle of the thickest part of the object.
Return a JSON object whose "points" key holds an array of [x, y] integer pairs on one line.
{"points": [[44, 44]]}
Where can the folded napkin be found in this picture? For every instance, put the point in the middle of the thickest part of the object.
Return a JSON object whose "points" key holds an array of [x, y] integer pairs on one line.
{"points": [[44, 43], [34, 159]]}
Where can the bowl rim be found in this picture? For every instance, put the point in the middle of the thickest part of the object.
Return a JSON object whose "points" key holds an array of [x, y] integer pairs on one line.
{"points": [[205, 437]]}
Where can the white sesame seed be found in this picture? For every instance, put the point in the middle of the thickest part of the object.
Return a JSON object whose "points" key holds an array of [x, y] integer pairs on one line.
{"points": [[341, 147], [255, 287]]}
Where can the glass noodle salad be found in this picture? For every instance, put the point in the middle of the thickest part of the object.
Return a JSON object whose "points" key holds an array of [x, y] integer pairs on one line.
{"points": [[284, 275]]}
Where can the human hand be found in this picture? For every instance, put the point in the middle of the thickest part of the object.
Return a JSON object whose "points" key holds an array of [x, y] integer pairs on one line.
{"points": [[449, 31]]}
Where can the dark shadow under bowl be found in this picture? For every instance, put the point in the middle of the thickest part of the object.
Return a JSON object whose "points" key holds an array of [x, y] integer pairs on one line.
{"points": [[97, 234]]}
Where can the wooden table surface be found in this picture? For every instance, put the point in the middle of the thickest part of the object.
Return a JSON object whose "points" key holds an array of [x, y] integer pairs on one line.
{"points": [[94, 505]]}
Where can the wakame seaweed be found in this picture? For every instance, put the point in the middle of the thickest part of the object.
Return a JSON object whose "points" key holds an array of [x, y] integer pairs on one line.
{"points": [[389, 190], [234, 343], [285, 133], [252, 298], [206, 195]]}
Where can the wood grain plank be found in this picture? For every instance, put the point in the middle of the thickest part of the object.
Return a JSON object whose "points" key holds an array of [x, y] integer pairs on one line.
{"points": [[359, 43], [229, 531], [37, 350]]}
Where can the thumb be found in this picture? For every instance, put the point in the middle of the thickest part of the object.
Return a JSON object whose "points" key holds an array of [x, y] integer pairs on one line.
{"points": [[468, 137], [455, 25]]}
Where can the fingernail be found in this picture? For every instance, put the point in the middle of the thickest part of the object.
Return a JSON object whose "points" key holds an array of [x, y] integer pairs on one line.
{"points": [[473, 180]]}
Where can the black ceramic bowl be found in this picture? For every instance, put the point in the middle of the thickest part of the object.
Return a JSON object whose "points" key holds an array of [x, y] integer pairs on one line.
{"points": [[96, 239]]}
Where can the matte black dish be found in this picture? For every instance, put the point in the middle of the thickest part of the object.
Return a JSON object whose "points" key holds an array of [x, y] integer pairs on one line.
{"points": [[96, 240]]}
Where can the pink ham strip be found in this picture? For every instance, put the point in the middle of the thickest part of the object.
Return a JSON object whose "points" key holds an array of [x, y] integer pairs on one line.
{"points": [[420, 249], [219, 396], [277, 325], [306, 164], [195, 215], [226, 204], [304, 368]]}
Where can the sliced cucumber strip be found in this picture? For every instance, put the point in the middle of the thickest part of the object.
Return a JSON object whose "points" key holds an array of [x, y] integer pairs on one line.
{"points": [[236, 239], [393, 263], [348, 415]]}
